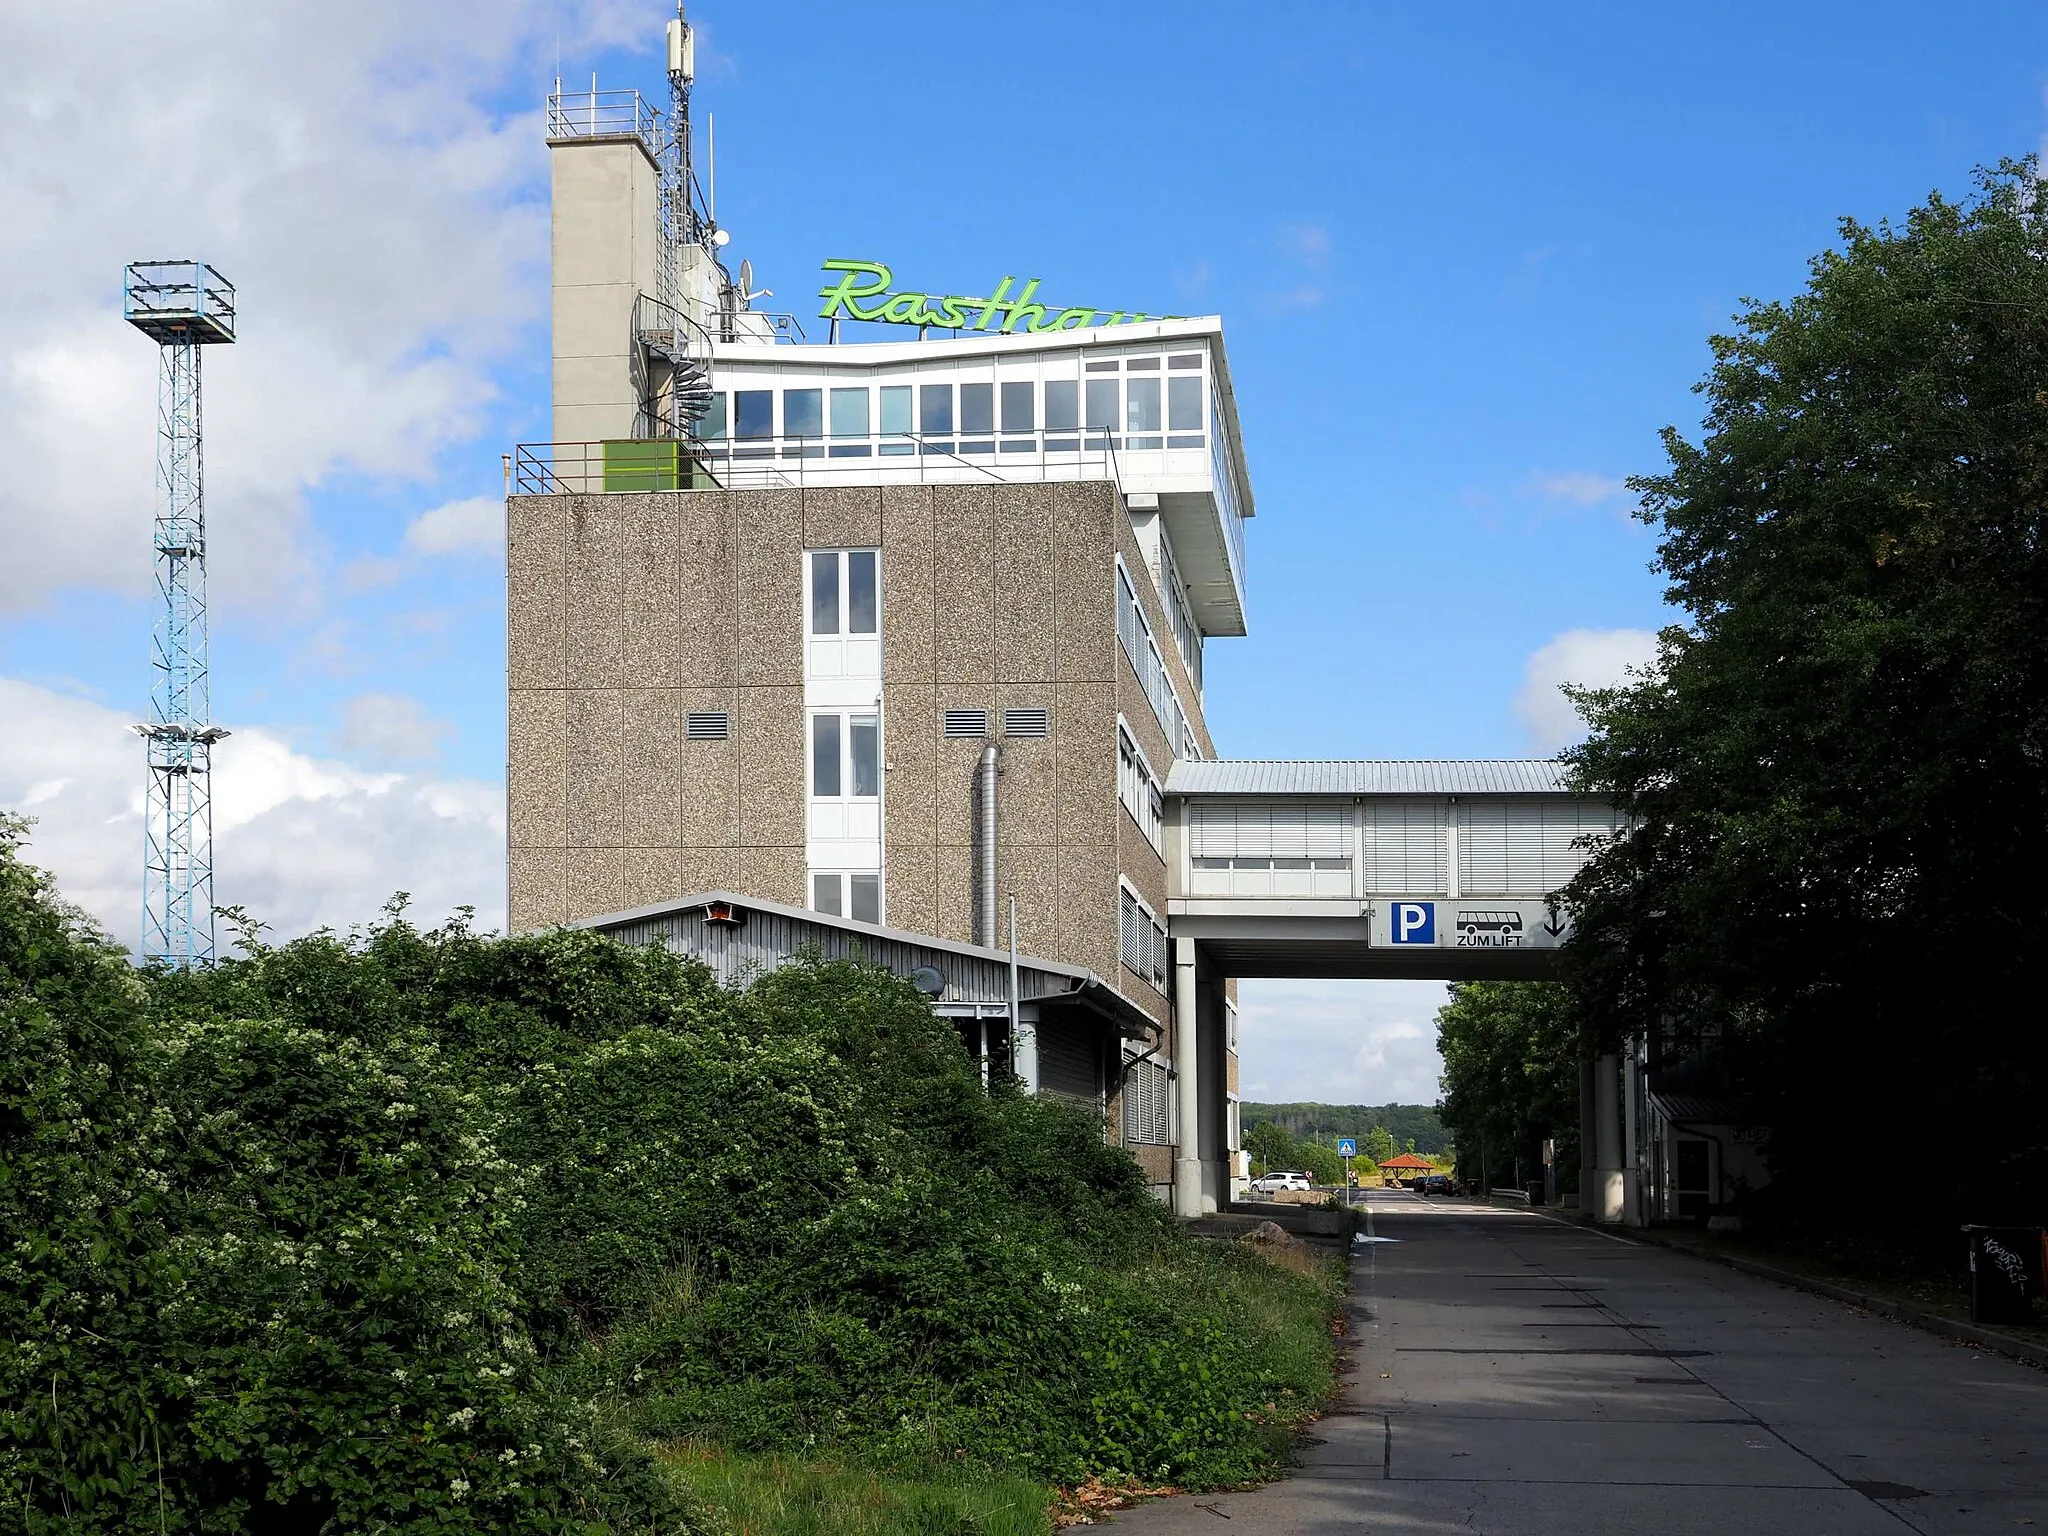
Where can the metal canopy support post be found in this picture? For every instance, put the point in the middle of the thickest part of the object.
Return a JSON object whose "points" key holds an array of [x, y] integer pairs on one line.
{"points": [[1023, 1042], [1187, 1153]]}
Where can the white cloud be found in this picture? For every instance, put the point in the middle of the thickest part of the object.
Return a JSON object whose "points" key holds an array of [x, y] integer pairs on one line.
{"points": [[1339, 1042], [390, 728], [474, 524], [1592, 658], [1580, 487], [346, 167], [300, 841], [1309, 244]]}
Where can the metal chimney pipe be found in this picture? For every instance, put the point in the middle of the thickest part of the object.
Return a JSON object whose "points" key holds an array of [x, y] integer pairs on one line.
{"points": [[985, 848]]}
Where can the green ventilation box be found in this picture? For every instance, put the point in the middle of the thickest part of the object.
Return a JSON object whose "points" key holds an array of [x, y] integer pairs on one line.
{"points": [[645, 464]]}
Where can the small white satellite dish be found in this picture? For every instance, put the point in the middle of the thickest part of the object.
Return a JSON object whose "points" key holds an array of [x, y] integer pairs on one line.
{"points": [[746, 276], [721, 238]]}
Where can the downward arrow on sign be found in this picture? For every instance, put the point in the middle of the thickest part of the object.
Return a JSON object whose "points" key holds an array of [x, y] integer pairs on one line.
{"points": [[1556, 924]]}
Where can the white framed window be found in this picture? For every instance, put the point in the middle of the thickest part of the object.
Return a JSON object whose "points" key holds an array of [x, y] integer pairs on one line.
{"points": [[844, 770], [1186, 637], [847, 893], [1138, 787], [843, 613], [1143, 938], [1136, 636], [846, 755]]}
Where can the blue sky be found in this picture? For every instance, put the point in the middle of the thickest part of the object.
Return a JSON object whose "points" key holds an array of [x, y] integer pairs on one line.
{"points": [[1468, 259]]}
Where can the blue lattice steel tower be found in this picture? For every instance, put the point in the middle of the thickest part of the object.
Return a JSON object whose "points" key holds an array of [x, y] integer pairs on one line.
{"points": [[182, 306]]}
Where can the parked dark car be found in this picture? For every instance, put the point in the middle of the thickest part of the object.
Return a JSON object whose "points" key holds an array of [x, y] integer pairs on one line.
{"points": [[1434, 1184]]}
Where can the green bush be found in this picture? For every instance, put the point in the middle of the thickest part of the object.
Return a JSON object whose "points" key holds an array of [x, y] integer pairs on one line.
{"points": [[432, 1231]]}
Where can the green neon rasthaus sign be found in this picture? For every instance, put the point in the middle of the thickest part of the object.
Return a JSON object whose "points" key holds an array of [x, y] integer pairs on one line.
{"points": [[862, 293]]}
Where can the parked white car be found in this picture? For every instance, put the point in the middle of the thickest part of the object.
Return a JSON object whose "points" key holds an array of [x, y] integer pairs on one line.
{"points": [[1273, 1183]]}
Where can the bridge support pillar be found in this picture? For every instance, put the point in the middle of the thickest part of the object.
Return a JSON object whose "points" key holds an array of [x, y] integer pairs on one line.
{"points": [[1608, 1200], [1187, 1152]]}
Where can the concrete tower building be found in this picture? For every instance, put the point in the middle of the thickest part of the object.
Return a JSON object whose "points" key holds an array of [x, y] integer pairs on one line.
{"points": [[888, 632]]}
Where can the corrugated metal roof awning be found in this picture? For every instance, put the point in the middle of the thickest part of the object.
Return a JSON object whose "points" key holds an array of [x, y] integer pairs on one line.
{"points": [[1053, 983], [1699, 1109]]}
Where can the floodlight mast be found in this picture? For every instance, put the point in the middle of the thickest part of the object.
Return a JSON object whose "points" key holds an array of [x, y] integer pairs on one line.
{"points": [[182, 306]]}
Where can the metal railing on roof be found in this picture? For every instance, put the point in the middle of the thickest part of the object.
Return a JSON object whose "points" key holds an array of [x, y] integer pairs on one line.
{"points": [[594, 114], [746, 463]]}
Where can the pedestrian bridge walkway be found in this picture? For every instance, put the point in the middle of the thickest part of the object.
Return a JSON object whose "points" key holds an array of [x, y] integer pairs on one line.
{"points": [[1375, 868]]}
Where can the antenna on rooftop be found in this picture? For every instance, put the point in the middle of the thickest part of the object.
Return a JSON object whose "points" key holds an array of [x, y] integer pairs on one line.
{"points": [[674, 333]]}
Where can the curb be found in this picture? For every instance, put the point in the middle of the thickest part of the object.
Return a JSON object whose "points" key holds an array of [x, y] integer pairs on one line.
{"points": [[1899, 1312]]}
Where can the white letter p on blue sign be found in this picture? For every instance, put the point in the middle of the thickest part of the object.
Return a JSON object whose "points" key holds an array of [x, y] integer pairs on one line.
{"points": [[1414, 922]]}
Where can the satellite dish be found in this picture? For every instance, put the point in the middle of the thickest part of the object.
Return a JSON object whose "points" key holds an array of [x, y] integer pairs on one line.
{"points": [[746, 277], [721, 238], [929, 980]]}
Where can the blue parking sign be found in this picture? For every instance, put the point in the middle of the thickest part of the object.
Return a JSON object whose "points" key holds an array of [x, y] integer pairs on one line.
{"points": [[1347, 1146], [1412, 922]]}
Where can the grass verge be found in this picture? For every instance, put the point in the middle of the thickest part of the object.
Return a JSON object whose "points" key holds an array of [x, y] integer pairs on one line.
{"points": [[750, 1495], [1284, 1332]]}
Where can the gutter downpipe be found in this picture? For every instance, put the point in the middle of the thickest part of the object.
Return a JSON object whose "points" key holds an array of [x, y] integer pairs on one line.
{"points": [[985, 850]]}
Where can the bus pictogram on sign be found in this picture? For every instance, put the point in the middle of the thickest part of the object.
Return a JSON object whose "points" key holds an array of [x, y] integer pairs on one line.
{"points": [[1487, 928]]}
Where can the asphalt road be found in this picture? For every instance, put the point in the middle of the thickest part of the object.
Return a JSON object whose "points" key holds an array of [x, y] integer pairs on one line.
{"points": [[1513, 1373]]}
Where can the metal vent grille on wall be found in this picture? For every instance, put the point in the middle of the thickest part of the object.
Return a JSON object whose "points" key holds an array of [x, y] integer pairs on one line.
{"points": [[1027, 722], [707, 725], [966, 722]]}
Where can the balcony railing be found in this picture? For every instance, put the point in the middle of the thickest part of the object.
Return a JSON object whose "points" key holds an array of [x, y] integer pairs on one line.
{"points": [[745, 463]]}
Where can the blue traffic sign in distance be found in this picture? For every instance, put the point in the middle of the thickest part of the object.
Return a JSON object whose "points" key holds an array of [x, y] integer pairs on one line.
{"points": [[1412, 922], [1347, 1146]]}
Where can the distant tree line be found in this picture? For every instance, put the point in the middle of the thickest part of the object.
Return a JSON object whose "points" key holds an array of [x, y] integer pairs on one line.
{"points": [[1413, 1127]]}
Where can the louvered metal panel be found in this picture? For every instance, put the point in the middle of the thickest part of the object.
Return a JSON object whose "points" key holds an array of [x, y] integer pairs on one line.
{"points": [[1404, 846], [1069, 1062], [1148, 1104], [1254, 829]]}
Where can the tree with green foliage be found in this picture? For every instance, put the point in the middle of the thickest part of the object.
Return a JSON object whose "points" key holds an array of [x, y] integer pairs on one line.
{"points": [[1320, 1161], [1272, 1148], [1378, 1144], [1511, 1076], [1836, 772]]}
